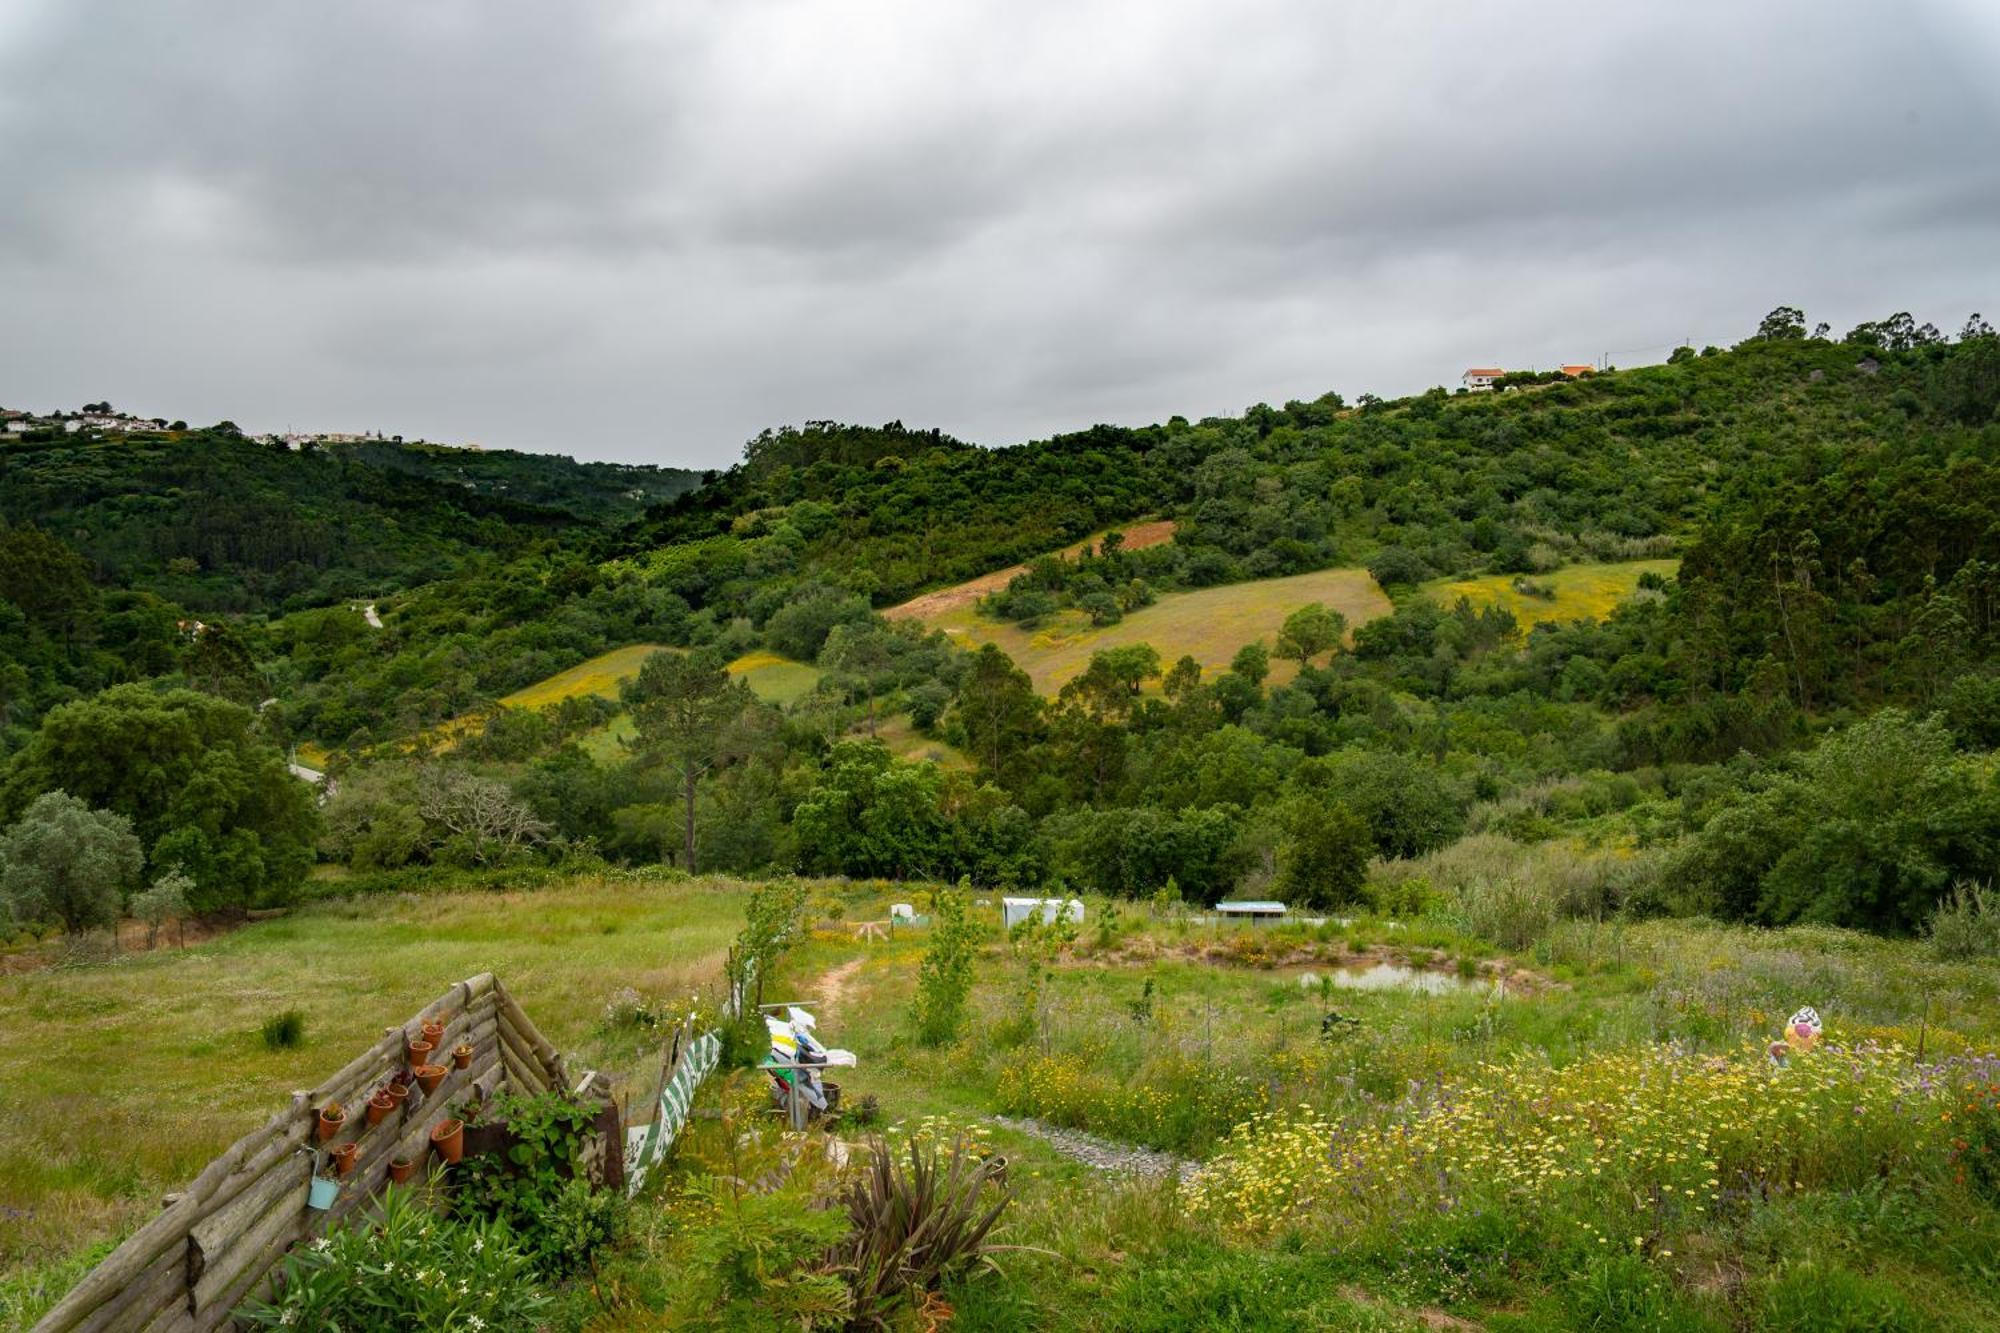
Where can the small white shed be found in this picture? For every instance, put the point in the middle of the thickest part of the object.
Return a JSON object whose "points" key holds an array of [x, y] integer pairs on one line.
{"points": [[1013, 911], [1255, 913]]}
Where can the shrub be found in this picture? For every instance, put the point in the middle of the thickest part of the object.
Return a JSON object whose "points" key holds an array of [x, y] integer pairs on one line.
{"points": [[758, 1262], [1871, 829], [1394, 565], [473, 1277], [285, 1032], [1511, 912], [914, 1227], [537, 1188], [1966, 925], [1408, 806], [166, 899], [1404, 896]]}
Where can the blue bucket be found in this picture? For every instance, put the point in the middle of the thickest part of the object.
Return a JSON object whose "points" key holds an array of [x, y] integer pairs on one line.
{"points": [[323, 1192]]}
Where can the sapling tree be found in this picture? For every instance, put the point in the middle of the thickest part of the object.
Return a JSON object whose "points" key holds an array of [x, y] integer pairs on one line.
{"points": [[165, 899], [944, 978], [771, 923]]}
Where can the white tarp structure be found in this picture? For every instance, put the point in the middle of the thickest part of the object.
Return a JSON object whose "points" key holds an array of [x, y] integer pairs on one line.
{"points": [[1013, 911], [646, 1144]]}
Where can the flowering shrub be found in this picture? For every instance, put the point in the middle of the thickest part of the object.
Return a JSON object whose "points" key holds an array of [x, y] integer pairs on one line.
{"points": [[408, 1270], [938, 1131], [1973, 1127], [1656, 1131], [1179, 1103]]}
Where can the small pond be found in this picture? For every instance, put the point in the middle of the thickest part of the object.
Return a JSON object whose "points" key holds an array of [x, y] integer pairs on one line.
{"points": [[1385, 976]]}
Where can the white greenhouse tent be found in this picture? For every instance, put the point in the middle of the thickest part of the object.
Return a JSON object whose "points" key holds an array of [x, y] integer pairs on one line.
{"points": [[1013, 911]]}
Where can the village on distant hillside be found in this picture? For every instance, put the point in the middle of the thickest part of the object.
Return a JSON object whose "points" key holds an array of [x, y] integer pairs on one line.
{"points": [[102, 417]]}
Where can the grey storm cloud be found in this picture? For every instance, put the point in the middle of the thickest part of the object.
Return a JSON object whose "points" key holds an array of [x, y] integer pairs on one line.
{"points": [[647, 230]]}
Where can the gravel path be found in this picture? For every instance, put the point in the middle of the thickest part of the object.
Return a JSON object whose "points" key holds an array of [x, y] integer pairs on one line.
{"points": [[1104, 1154]]}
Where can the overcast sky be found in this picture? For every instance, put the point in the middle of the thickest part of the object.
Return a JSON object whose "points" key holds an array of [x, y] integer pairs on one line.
{"points": [[646, 231]]}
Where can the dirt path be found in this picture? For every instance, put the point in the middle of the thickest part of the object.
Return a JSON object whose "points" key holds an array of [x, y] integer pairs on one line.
{"points": [[1138, 536], [832, 990]]}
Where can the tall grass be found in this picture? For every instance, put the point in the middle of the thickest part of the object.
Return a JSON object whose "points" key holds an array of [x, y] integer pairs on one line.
{"points": [[1513, 893]]}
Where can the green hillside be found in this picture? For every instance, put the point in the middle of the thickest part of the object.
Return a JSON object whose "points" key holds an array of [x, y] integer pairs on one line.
{"points": [[1588, 731], [216, 522]]}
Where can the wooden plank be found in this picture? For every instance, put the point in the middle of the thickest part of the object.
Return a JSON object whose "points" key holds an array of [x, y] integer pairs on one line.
{"points": [[242, 1165], [523, 1076], [211, 1239], [284, 1217], [546, 1054], [162, 1285], [167, 1229], [524, 1067], [174, 1319], [254, 1282]]}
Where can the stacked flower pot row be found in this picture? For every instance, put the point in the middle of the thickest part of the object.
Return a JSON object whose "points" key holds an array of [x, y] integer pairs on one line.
{"points": [[447, 1137]]}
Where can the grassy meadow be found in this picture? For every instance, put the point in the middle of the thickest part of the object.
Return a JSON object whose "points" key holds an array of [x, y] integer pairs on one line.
{"points": [[1208, 624], [772, 678], [1582, 1131], [1138, 536], [1579, 592], [119, 1080]]}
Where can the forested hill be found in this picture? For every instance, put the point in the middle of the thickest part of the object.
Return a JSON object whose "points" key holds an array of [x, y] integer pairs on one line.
{"points": [[1833, 505], [214, 521], [609, 493], [1610, 466]]}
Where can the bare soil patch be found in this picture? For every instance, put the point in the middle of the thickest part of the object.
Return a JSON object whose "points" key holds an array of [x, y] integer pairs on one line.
{"points": [[131, 940]]}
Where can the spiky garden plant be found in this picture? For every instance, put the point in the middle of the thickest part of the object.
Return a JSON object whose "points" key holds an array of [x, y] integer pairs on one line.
{"points": [[915, 1225]]}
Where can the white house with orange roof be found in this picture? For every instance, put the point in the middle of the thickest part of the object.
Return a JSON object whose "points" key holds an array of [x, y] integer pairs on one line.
{"points": [[1480, 378]]}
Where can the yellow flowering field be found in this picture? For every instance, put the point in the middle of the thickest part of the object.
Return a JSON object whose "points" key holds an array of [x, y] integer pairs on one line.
{"points": [[1656, 1132]]}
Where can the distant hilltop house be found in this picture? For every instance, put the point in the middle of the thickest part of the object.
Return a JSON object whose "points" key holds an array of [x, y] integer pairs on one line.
{"points": [[1484, 379]]}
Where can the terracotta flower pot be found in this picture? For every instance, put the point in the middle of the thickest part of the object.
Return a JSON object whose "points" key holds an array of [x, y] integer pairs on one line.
{"points": [[448, 1137], [379, 1107], [434, 1032], [429, 1076], [401, 1169], [331, 1118], [462, 1057], [419, 1053], [344, 1158], [397, 1093]]}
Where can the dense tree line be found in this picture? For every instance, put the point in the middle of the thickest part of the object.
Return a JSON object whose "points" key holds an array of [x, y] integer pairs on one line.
{"points": [[1834, 504]]}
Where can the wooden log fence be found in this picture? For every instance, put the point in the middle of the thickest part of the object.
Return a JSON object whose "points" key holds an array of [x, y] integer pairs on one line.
{"points": [[219, 1242]]}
